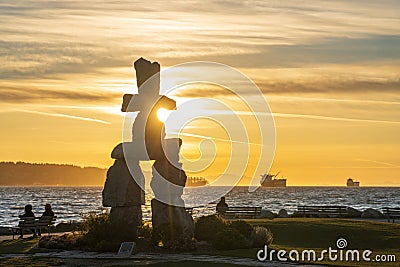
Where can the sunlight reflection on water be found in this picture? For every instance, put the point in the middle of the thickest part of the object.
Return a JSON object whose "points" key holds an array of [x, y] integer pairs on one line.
{"points": [[69, 202]]}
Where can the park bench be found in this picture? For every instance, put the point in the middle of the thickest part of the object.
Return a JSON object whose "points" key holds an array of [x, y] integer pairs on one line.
{"points": [[322, 211], [242, 212], [36, 223], [391, 213]]}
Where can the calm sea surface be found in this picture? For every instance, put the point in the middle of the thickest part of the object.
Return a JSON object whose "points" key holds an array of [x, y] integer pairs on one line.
{"points": [[70, 202]]}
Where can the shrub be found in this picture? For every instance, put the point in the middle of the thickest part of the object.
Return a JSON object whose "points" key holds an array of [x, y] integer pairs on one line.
{"points": [[229, 238], [171, 237], [261, 236], [222, 234], [234, 235], [206, 227], [65, 241], [96, 226], [242, 227], [165, 233], [101, 233]]}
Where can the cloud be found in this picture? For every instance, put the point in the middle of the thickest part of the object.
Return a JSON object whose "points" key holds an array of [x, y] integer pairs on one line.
{"points": [[62, 116], [329, 118], [331, 84], [36, 59], [176, 134], [379, 162], [303, 116], [330, 50], [41, 38], [18, 95], [333, 100]]}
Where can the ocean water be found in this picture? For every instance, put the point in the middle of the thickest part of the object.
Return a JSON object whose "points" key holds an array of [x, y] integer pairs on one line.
{"points": [[69, 203]]}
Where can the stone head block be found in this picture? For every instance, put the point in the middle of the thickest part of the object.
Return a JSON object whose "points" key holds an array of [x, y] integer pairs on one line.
{"points": [[146, 69]]}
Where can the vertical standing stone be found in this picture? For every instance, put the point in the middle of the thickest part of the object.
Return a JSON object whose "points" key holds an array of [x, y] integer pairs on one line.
{"points": [[168, 182], [123, 195]]}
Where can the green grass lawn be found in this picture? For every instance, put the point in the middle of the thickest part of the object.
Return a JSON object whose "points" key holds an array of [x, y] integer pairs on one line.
{"points": [[292, 233], [18, 245], [24, 246], [319, 234]]}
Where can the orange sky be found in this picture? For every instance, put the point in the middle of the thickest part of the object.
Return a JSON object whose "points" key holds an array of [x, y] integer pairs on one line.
{"points": [[329, 70]]}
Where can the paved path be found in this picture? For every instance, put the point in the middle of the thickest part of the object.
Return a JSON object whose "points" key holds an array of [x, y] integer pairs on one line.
{"points": [[150, 258]]}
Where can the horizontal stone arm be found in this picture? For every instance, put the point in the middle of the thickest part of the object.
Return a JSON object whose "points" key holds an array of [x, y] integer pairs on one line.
{"points": [[142, 102]]}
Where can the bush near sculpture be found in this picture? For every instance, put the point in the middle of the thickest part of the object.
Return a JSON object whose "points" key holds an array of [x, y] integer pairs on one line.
{"points": [[103, 233], [207, 226], [99, 232], [225, 235], [261, 236], [171, 237]]}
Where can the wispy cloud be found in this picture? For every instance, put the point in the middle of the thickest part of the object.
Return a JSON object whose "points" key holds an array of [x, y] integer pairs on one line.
{"points": [[334, 100], [63, 116], [235, 113], [379, 162], [361, 167], [317, 117], [323, 84], [42, 38], [176, 134], [22, 95]]}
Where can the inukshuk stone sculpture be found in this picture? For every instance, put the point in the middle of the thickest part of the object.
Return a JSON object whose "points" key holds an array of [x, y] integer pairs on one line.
{"points": [[121, 191]]}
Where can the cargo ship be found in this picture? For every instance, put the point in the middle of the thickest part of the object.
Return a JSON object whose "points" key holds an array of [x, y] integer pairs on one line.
{"points": [[352, 183], [196, 181], [271, 180]]}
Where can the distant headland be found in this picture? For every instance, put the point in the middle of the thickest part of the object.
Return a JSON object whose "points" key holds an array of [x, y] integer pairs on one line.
{"points": [[48, 174]]}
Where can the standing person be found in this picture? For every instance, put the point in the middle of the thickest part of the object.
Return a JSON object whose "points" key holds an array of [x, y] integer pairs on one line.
{"points": [[46, 218], [222, 207], [28, 215]]}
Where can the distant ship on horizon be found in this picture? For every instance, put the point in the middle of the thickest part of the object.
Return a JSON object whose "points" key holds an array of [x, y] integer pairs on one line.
{"points": [[352, 183], [270, 180], [196, 181]]}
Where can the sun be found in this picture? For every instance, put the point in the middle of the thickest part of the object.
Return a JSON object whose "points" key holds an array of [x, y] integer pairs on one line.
{"points": [[163, 114]]}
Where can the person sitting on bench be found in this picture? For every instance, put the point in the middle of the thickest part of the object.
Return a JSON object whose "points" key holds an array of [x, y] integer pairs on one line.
{"points": [[48, 212], [28, 214], [222, 207]]}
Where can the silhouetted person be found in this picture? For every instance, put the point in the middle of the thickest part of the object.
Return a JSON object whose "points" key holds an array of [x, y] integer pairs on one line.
{"points": [[222, 207], [48, 210], [47, 216], [28, 214]]}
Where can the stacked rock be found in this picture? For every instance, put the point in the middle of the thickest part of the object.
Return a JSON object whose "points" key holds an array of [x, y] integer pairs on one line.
{"points": [[123, 194], [148, 143]]}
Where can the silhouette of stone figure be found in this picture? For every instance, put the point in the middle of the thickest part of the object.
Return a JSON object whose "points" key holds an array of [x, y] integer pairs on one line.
{"points": [[121, 191]]}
